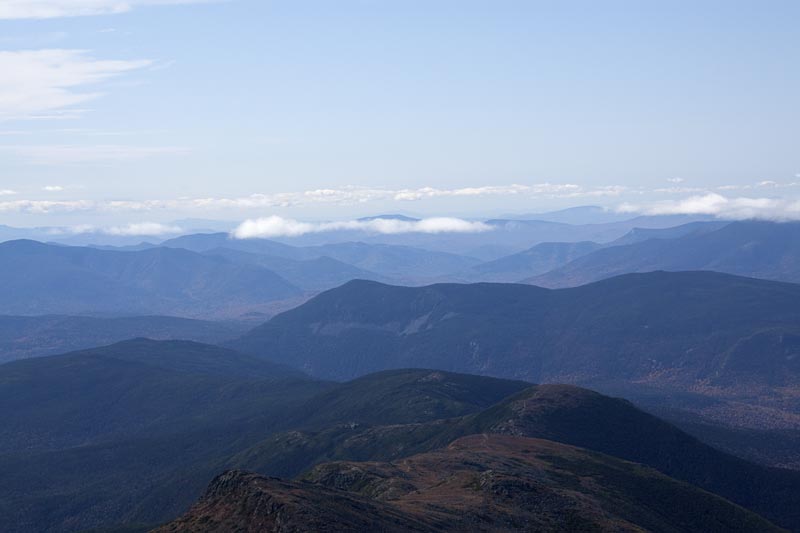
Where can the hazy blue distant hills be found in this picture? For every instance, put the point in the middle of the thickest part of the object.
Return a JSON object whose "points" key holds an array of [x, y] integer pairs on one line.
{"points": [[398, 262], [144, 245], [692, 228], [541, 258], [403, 218], [505, 237], [370, 261], [765, 250], [204, 242], [316, 274], [48, 279], [548, 256], [23, 337], [585, 214]]}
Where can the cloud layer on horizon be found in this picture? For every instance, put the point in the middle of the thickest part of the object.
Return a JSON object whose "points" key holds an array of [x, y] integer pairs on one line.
{"points": [[693, 201], [275, 226], [777, 209], [136, 229], [345, 196]]}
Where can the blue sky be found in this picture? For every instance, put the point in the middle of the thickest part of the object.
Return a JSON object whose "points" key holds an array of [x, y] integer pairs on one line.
{"points": [[321, 109]]}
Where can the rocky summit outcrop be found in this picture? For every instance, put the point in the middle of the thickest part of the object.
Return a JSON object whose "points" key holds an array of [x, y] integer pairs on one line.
{"points": [[491, 483]]}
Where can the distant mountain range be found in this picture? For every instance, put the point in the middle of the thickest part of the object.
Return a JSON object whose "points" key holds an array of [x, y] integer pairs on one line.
{"points": [[50, 279], [758, 249], [541, 258], [365, 260], [551, 256], [507, 235], [216, 276]]}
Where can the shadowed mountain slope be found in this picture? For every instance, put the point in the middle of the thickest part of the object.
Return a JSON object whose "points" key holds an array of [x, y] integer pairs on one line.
{"points": [[566, 414], [22, 337], [131, 388], [131, 433], [696, 326]]}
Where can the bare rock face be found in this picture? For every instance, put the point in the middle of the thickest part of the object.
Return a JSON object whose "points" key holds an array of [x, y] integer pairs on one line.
{"points": [[240, 501], [492, 483]]}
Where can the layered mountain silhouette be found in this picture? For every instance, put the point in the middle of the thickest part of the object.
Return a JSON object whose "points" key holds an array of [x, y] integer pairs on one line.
{"points": [[49, 279], [541, 258], [368, 260], [317, 274], [758, 249]]}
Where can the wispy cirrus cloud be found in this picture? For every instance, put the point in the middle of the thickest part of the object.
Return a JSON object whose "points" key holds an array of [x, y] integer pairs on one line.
{"points": [[52, 83], [85, 154], [43, 9], [276, 226]]}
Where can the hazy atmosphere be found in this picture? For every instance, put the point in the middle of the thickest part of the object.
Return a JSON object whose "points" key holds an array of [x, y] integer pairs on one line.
{"points": [[125, 112]]}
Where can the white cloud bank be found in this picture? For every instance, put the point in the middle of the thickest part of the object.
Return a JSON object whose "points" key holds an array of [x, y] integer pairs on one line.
{"points": [[47, 83], [149, 229], [777, 209], [276, 226], [139, 229], [43, 9]]}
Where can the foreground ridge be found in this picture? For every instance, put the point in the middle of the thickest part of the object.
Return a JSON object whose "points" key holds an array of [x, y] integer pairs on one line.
{"points": [[477, 483]]}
